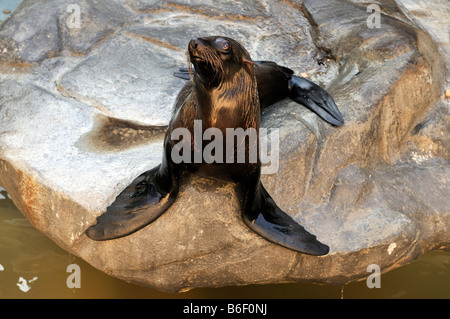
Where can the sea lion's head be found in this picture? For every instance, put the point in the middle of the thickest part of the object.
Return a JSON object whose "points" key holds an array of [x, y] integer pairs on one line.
{"points": [[217, 59]]}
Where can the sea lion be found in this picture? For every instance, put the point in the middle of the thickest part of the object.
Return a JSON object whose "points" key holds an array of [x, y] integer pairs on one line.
{"points": [[222, 94]]}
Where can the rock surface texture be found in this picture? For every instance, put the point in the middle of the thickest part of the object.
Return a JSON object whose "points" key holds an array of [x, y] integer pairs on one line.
{"points": [[86, 89]]}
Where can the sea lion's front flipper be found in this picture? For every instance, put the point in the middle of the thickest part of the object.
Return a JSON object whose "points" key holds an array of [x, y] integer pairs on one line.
{"points": [[138, 205], [315, 98], [183, 73], [268, 220]]}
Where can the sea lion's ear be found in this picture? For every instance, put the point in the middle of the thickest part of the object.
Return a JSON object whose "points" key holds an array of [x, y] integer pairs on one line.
{"points": [[248, 63]]}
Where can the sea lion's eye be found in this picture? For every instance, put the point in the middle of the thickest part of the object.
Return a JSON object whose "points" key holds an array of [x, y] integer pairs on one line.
{"points": [[224, 46]]}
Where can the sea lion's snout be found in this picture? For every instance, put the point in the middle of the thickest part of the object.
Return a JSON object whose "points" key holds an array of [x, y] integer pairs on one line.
{"points": [[196, 49], [194, 43]]}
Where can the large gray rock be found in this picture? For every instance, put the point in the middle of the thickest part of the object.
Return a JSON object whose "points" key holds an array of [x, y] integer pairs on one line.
{"points": [[80, 111]]}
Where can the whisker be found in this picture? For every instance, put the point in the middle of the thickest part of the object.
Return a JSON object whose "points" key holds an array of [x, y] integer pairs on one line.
{"points": [[189, 64]]}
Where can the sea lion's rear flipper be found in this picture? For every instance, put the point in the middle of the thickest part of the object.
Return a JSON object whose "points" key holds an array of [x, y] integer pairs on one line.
{"points": [[315, 98], [138, 205], [268, 220]]}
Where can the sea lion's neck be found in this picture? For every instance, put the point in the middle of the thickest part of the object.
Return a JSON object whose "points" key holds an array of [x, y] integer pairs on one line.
{"points": [[233, 103]]}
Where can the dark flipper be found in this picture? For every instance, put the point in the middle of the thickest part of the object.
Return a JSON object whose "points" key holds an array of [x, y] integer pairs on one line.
{"points": [[182, 73], [142, 202], [263, 216], [315, 98]]}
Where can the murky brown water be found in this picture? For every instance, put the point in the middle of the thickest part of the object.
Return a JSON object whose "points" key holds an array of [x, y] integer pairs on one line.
{"points": [[26, 253]]}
